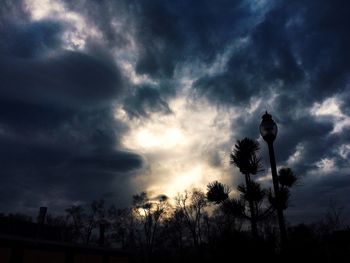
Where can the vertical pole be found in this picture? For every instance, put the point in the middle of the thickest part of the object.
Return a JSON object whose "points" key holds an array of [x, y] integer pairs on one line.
{"points": [[280, 216]]}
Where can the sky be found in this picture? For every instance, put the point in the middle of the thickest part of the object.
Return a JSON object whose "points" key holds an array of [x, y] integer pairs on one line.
{"points": [[104, 99]]}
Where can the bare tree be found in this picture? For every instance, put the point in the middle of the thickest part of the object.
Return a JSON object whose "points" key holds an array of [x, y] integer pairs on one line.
{"points": [[85, 220], [123, 228], [76, 214], [175, 227], [334, 216], [192, 205], [150, 213]]}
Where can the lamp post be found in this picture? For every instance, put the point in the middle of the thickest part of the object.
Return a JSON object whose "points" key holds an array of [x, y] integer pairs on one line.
{"points": [[268, 130]]}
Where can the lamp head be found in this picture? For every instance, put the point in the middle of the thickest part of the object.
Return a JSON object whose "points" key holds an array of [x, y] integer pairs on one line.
{"points": [[268, 128]]}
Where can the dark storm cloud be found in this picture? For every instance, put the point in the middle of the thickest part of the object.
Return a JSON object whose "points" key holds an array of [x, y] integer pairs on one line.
{"points": [[175, 31], [187, 31], [71, 78], [169, 32], [58, 135], [146, 99], [310, 200], [31, 39], [264, 61], [297, 53], [103, 14], [14, 10], [296, 42]]}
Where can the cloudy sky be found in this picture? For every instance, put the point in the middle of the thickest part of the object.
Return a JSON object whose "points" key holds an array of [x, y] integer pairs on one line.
{"points": [[104, 99]]}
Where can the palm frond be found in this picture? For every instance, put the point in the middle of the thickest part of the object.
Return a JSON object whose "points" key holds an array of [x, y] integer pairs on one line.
{"points": [[217, 192], [286, 177], [244, 156]]}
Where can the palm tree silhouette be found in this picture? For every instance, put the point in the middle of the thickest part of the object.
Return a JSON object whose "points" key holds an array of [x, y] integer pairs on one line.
{"points": [[217, 192], [231, 208], [244, 156], [286, 180]]}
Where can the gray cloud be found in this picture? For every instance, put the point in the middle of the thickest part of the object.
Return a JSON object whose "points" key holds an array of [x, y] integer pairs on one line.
{"points": [[145, 99], [59, 139]]}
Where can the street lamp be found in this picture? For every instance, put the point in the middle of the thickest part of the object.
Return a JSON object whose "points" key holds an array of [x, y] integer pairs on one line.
{"points": [[268, 130]]}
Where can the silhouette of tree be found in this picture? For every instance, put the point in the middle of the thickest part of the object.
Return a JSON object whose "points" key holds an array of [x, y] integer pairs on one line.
{"points": [[217, 192], [334, 216], [244, 156], [175, 227], [76, 213], [188, 233], [123, 228], [229, 209], [55, 220], [192, 204], [286, 180], [20, 217], [149, 213], [286, 177], [85, 220], [233, 207]]}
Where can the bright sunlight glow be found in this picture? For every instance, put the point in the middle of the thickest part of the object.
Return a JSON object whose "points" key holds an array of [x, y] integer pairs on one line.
{"points": [[178, 147]]}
